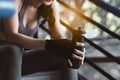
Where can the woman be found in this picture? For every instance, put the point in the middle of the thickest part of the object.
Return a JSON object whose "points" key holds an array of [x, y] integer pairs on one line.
{"points": [[19, 34]]}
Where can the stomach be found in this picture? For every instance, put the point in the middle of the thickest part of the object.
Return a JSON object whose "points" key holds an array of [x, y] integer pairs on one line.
{"points": [[2, 34]]}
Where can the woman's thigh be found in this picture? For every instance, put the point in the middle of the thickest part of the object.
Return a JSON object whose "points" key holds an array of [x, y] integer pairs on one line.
{"points": [[36, 60], [9, 55]]}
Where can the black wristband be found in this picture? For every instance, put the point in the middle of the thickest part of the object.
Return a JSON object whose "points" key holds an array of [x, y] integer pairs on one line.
{"points": [[62, 47]]}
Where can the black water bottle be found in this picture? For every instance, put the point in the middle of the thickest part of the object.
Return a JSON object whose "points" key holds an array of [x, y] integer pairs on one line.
{"points": [[77, 36]]}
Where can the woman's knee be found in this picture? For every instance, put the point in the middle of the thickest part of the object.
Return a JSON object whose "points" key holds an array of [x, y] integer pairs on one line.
{"points": [[12, 51]]}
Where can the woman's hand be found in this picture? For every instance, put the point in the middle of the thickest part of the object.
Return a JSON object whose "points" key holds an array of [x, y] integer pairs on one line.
{"points": [[78, 55], [68, 50]]}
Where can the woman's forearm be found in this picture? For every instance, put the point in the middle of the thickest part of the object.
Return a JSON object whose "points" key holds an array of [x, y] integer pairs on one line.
{"points": [[26, 41]]}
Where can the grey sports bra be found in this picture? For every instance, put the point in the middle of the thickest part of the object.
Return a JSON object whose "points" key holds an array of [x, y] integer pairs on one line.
{"points": [[22, 29]]}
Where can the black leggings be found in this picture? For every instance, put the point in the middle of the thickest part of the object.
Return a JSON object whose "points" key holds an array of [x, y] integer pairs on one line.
{"points": [[13, 61]]}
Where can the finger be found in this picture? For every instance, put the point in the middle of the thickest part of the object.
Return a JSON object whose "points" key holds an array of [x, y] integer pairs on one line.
{"points": [[78, 52], [80, 44], [70, 63], [77, 57]]}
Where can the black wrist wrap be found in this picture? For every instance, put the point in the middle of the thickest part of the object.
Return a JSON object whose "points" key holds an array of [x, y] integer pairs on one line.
{"points": [[62, 47]]}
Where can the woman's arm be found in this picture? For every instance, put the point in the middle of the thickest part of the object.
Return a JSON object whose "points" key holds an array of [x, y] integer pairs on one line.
{"points": [[11, 26], [56, 28]]}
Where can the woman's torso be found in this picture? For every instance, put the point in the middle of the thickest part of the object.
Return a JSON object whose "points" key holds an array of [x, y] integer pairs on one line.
{"points": [[29, 21]]}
